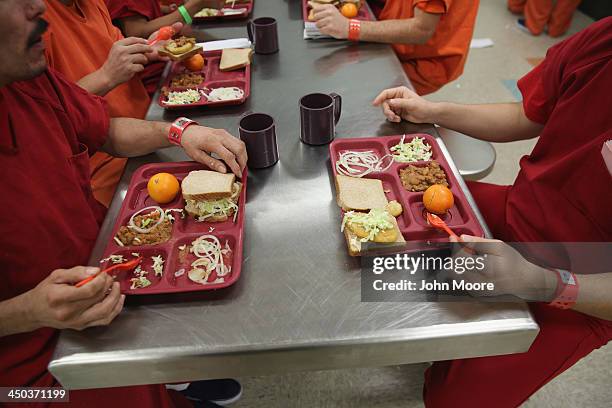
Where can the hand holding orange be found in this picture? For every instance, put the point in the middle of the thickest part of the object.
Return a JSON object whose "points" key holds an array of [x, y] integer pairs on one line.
{"points": [[438, 199], [163, 187]]}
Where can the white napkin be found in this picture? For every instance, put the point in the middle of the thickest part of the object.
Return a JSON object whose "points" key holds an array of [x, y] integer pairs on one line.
{"points": [[311, 32], [481, 43], [223, 44]]}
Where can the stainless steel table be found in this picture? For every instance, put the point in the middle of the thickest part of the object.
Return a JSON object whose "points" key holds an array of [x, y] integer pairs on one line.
{"points": [[297, 305]]}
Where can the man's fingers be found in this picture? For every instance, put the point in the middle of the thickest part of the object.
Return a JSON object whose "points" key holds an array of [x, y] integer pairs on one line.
{"points": [[483, 245], [237, 147], [74, 275], [91, 290], [103, 311], [114, 313], [229, 158], [131, 41], [138, 59], [139, 49], [214, 164], [389, 113], [384, 95]]}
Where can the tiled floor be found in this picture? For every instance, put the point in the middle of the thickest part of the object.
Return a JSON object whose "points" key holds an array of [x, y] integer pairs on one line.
{"points": [[489, 77]]}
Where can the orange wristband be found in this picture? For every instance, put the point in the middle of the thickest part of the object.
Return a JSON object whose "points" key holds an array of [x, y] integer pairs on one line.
{"points": [[354, 30]]}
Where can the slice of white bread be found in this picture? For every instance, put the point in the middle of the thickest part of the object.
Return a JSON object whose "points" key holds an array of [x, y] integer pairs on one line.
{"points": [[207, 185], [359, 194], [354, 244], [235, 58]]}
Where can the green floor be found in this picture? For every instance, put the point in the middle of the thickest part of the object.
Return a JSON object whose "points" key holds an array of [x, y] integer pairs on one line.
{"points": [[489, 77]]}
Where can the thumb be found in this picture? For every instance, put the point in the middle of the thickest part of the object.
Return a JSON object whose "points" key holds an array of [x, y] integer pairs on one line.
{"points": [[482, 245], [74, 275], [177, 27], [399, 103]]}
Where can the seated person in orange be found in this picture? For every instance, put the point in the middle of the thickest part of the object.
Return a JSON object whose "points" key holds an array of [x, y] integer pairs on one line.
{"points": [[541, 13], [82, 44], [563, 193], [431, 37]]}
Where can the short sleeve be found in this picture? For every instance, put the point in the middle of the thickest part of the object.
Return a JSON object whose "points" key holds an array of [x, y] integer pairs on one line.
{"points": [[119, 9], [87, 113], [433, 6]]}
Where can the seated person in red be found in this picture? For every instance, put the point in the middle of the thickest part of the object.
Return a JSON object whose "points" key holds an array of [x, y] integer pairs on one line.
{"points": [[563, 193], [48, 129]]}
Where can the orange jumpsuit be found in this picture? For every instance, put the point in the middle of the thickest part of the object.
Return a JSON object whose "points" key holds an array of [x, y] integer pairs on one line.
{"points": [[539, 13], [77, 43], [441, 59]]}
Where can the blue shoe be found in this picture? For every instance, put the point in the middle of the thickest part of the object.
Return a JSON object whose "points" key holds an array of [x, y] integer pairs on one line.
{"points": [[220, 392], [520, 23]]}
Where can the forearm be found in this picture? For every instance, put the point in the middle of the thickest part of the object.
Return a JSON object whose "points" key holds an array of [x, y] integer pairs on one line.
{"points": [[96, 83], [14, 316], [491, 122], [134, 137], [594, 295], [141, 27], [406, 31]]}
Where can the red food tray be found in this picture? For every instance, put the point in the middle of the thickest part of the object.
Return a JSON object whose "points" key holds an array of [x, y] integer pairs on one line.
{"points": [[365, 14], [213, 78], [248, 6], [412, 222], [184, 231]]}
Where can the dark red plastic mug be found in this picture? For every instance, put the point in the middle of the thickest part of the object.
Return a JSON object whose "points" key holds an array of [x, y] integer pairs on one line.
{"points": [[319, 115], [258, 132], [263, 33]]}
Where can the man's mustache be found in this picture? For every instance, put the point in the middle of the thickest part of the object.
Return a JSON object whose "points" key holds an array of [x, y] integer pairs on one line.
{"points": [[39, 30]]}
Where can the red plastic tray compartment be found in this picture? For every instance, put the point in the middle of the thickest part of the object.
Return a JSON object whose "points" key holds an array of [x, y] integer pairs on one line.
{"points": [[213, 78], [246, 5], [184, 232], [364, 12], [412, 223]]}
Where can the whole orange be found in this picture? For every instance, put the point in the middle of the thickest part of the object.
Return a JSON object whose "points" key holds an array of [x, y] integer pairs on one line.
{"points": [[195, 63], [349, 10], [438, 199], [163, 187]]}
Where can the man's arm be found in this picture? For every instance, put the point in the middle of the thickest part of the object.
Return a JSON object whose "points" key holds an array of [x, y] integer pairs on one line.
{"points": [[505, 122], [139, 26], [133, 137], [416, 30]]}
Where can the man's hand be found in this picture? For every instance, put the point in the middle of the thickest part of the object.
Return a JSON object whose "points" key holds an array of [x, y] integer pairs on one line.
{"points": [[507, 269], [126, 58], [402, 103], [330, 21], [199, 141], [57, 303]]}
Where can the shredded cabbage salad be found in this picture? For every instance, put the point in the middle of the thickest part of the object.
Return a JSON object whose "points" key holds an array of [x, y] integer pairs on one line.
{"points": [[375, 221], [207, 12], [222, 206], [158, 265], [183, 97], [415, 150]]}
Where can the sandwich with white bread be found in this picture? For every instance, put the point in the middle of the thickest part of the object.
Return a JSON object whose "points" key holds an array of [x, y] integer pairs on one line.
{"points": [[367, 215], [211, 196]]}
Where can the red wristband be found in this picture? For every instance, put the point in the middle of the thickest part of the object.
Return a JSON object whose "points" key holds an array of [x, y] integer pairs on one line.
{"points": [[354, 30], [177, 128], [567, 290]]}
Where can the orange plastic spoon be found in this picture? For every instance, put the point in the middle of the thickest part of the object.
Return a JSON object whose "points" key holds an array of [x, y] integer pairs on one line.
{"points": [[164, 33], [439, 223], [126, 266]]}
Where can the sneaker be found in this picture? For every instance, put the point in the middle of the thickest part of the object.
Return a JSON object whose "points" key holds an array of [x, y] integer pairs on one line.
{"points": [[520, 23], [221, 392]]}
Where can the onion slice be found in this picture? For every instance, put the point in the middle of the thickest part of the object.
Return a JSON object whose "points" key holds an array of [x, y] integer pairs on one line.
{"points": [[359, 164], [140, 230]]}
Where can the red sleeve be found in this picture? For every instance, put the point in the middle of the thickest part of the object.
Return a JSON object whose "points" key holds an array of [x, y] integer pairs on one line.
{"points": [[540, 89], [433, 6], [118, 9], [87, 113]]}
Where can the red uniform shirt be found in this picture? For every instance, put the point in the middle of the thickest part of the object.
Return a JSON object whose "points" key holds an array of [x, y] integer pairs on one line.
{"points": [[564, 190], [149, 9], [50, 219]]}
